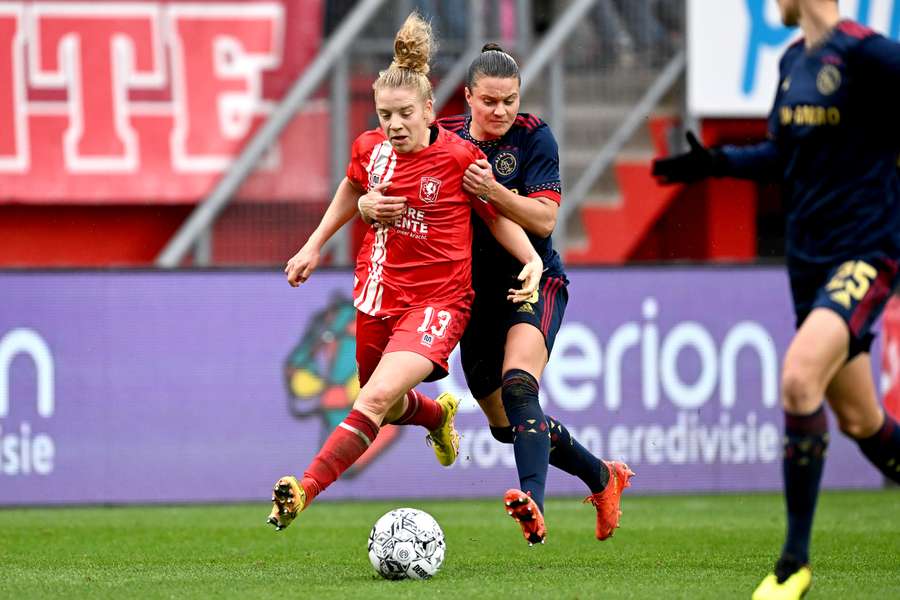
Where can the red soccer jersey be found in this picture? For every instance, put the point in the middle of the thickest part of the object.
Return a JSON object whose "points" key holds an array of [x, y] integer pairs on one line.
{"points": [[427, 253]]}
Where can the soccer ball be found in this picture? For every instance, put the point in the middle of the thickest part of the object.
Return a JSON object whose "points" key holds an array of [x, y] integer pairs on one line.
{"points": [[406, 543]]}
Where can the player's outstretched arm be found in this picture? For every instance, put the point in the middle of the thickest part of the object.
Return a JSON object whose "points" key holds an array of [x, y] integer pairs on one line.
{"points": [[759, 162], [342, 208], [512, 237]]}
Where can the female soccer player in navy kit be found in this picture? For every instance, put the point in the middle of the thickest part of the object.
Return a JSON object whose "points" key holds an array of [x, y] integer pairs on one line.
{"points": [[412, 287], [834, 141], [506, 345]]}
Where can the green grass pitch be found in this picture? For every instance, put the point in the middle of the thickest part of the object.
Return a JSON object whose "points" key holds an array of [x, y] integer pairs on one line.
{"points": [[668, 547]]}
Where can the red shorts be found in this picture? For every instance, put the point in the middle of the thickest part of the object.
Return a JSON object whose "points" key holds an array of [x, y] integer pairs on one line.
{"points": [[431, 331]]}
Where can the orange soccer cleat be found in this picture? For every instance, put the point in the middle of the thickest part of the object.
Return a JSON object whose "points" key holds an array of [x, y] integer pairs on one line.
{"points": [[521, 507], [607, 501]]}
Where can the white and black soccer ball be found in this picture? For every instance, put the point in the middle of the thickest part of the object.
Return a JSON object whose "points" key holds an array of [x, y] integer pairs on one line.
{"points": [[406, 543]]}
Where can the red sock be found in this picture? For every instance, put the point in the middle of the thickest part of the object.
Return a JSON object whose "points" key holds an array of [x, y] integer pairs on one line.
{"points": [[421, 410], [349, 440]]}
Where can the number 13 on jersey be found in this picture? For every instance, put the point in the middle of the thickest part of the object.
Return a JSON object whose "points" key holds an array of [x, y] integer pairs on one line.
{"points": [[440, 328]]}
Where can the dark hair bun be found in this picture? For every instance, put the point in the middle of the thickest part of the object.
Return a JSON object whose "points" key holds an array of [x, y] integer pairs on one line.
{"points": [[492, 46]]}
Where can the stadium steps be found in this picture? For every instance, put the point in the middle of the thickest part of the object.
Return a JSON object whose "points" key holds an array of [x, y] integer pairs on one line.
{"points": [[624, 203], [614, 225]]}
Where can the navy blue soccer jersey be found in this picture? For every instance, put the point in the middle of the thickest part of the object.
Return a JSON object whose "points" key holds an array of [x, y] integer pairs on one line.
{"points": [[834, 143], [526, 161]]}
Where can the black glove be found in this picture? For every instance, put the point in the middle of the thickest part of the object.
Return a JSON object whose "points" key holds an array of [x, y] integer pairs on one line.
{"points": [[700, 162]]}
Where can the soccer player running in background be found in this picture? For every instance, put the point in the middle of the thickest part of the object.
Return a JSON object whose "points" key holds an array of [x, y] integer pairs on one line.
{"points": [[834, 141], [506, 346], [412, 286]]}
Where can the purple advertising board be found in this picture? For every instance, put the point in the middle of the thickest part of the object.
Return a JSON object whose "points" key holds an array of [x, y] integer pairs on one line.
{"points": [[192, 386]]}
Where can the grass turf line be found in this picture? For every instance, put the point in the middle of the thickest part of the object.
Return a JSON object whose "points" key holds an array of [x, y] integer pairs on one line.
{"points": [[668, 547]]}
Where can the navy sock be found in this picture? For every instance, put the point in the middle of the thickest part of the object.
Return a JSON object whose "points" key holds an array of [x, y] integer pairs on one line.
{"points": [[531, 440], [883, 448], [806, 439], [566, 454]]}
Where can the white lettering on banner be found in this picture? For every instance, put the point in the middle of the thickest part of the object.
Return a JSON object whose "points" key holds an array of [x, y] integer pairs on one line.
{"points": [[20, 452], [748, 334], [649, 358], [97, 53], [14, 144], [623, 338], [685, 335], [687, 441], [229, 50], [571, 381], [571, 377]]}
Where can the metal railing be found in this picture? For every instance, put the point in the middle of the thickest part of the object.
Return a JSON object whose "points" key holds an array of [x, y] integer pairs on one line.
{"points": [[201, 219], [547, 72], [608, 152]]}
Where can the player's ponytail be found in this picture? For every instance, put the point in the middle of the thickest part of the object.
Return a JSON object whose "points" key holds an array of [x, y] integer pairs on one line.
{"points": [[414, 45], [493, 61]]}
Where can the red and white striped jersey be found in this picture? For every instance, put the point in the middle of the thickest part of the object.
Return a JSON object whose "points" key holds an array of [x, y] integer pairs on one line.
{"points": [[427, 253]]}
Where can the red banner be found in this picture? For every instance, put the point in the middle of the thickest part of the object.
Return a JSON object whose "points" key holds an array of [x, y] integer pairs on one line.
{"points": [[151, 101]]}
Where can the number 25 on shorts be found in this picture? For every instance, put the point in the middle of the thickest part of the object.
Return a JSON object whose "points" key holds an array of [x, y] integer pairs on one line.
{"points": [[443, 319], [851, 282]]}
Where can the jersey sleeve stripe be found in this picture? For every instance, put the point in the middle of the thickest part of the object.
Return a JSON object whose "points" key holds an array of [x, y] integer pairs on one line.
{"points": [[856, 30], [548, 194]]}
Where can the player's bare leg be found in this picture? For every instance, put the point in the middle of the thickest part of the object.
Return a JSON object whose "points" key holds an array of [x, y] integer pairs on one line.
{"points": [[851, 395], [396, 373], [816, 354]]}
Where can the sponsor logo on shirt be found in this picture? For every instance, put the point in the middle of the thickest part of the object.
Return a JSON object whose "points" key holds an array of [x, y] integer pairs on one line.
{"points": [[429, 188], [412, 223], [804, 115]]}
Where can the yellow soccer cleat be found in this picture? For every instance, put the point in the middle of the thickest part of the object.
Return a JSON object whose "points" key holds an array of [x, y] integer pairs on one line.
{"points": [[288, 499], [793, 588], [445, 439]]}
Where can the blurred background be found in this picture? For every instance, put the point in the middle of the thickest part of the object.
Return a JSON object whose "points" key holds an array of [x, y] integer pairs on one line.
{"points": [[161, 160]]}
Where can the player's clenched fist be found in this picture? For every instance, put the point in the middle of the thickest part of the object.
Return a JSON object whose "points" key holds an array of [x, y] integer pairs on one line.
{"points": [[479, 179], [301, 266], [376, 207]]}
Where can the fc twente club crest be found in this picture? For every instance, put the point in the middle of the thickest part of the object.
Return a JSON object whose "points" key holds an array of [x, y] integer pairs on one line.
{"points": [[429, 187], [320, 375]]}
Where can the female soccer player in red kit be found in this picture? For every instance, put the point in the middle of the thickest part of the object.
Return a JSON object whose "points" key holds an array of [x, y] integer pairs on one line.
{"points": [[506, 346], [412, 286]]}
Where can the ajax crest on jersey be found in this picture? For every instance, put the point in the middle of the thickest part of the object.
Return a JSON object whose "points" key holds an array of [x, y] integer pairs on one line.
{"points": [[406, 543], [429, 188], [828, 80], [505, 163]]}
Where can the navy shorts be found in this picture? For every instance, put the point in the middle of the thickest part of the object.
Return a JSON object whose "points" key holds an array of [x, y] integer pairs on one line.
{"points": [[856, 289], [484, 341]]}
